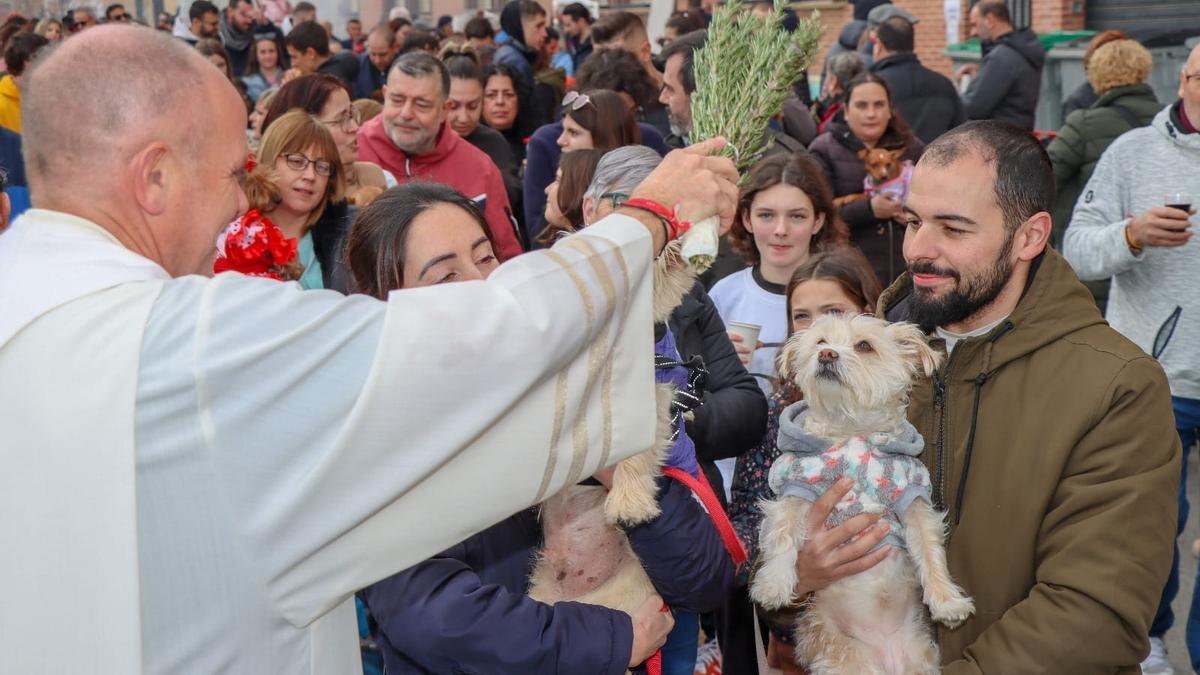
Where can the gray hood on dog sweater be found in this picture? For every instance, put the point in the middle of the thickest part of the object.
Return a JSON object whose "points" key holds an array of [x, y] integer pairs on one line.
{"points": [[887, 470]]}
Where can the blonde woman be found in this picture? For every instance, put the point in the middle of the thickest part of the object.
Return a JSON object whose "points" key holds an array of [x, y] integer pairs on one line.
{"points": [[299, 184]]}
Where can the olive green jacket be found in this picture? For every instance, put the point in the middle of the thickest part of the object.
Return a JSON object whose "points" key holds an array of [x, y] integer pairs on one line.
{"points": [[1051, 444]]}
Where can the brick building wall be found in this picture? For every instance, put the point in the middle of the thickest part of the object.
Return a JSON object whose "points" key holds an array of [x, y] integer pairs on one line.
{"points": [[930, 35]]}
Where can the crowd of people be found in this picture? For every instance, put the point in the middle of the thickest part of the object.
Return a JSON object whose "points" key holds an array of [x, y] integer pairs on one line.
{"points": [[281, 465]]}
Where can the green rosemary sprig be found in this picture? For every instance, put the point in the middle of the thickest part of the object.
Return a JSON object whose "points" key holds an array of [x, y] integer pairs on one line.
{"points": [[744, 74]]}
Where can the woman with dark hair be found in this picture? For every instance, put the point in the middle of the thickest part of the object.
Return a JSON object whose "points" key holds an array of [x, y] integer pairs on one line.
{"points": [[502, 107], [464, 109], [564, 197], [836, 281], [597, 119], [868, 121], [411, 237], [466, 610], [263, 68], [328, 99]]}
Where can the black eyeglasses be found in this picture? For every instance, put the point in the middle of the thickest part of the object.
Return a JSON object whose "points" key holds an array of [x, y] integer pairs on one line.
{"points": [[298, 162], [347, 121]]}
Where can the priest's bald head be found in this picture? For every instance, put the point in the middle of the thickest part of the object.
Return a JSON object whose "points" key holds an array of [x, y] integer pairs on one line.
{"points": [[134, 131]]}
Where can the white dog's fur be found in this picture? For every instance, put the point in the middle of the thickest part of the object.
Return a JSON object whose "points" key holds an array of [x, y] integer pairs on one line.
{"points": [[870, 623], [586, 556]]}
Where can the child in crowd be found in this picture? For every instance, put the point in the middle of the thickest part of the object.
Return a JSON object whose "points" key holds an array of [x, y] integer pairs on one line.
{"points": [[785, 213], [840, 281], [564, 197]]}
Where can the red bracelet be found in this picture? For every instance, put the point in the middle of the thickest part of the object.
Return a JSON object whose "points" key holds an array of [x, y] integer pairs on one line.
{"points": [[675, 227]]}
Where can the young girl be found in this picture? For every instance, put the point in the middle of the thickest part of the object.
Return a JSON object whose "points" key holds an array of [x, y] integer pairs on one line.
{"points": [[839, 281], [564, 197], [785, 213]]}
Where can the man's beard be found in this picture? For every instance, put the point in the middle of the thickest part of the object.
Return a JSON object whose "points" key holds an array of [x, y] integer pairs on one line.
{"points": [[418, 144], [678, 126], [964, 300]]}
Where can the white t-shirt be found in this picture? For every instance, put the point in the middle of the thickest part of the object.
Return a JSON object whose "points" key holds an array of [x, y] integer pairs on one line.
{"points": [[746, 297]]}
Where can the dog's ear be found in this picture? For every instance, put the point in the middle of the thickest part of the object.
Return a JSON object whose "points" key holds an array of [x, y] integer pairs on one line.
{"points": [[864, 153], [915, 347], [787, 360]]}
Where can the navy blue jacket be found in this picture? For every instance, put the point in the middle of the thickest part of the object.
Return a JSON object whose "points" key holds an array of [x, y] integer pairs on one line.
{"points": [[542, 153], [465, 611], [370, 79]]}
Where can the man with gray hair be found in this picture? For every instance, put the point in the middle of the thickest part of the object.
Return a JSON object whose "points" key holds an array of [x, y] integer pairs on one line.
{"points": [[412, 138], [204, 470]]}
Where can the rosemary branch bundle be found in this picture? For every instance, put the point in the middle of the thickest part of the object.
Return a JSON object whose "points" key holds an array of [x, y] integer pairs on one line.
{"points": [[744, 74]]}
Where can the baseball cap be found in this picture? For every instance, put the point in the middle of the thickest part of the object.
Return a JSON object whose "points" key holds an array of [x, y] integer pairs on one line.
{"points": [[884, 12]]}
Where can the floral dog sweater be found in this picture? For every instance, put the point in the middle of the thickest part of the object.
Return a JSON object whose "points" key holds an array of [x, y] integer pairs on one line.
{"points": [[886, 469]]}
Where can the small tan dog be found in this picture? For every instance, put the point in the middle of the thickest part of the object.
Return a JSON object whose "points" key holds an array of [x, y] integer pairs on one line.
{"points": [[882, 166], [586, 556], [855, 374]]}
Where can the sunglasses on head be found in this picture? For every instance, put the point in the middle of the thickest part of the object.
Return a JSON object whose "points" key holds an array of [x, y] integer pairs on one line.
{"points": [[575, 100]]}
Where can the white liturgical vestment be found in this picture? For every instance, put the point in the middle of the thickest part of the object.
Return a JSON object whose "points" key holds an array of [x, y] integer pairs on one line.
{"points": [[196, 474]]}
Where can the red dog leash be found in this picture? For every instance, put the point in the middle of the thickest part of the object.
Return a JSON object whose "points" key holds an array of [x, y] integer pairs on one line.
{"points": [[701, 488]]}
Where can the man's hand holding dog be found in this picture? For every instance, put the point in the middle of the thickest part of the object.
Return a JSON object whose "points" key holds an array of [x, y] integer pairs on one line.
{"points": [[832, 554], [1162, 226], [651, 624]]}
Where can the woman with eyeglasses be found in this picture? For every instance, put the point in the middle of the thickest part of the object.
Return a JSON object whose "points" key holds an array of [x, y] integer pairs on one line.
{"points": [[328, 99], [299, 174], [598, 119]]}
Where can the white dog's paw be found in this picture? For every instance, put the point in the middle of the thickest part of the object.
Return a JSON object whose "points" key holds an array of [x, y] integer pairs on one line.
{"points": [[633, 500], [773, 585], [952, 611]]}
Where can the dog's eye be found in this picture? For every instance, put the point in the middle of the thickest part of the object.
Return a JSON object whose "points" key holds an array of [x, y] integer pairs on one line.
{"points": [[863, 347]]}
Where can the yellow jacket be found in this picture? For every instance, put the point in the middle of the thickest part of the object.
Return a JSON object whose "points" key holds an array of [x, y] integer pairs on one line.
{"points": [[10, 104]]}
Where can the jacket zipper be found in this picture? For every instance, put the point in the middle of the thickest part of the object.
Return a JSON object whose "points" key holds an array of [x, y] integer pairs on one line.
{"points": [[939, 446], [939, 409]]}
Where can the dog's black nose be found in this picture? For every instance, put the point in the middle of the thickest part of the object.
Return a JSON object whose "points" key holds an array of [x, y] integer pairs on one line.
{"points": [[827, 356]]}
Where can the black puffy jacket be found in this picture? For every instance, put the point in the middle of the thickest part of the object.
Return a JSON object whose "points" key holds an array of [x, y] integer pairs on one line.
{"points": [[733, 417], [881, 241]]}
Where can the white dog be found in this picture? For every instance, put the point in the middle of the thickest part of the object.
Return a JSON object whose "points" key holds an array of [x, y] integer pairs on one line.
{"points": [[855, 374], [586, 556]]}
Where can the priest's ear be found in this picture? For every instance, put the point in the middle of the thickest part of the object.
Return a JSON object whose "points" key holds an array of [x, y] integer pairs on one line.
{"points": [[153, 171]]}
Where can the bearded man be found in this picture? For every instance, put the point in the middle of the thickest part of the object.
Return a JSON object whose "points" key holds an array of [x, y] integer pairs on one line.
{"points": [[1048, 435]]}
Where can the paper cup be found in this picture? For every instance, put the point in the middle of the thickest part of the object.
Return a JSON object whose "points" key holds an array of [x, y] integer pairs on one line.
{"points": [[748, 331]]}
